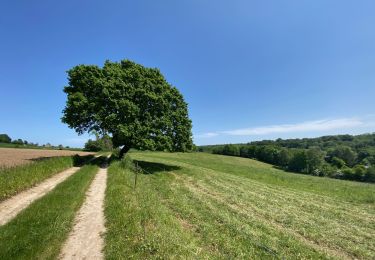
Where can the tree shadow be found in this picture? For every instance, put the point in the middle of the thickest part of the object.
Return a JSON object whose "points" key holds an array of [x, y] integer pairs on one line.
{"points": [[79, 160], [153, 167], [289, 171], [39, 159], [101, 161], [280, 168]]}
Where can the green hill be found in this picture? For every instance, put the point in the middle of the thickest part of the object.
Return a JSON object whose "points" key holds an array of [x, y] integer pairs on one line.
{"points": [[350, 157], [198, 205]]}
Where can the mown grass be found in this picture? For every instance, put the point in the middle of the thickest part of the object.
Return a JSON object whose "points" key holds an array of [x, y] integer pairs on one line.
{"points": [[351, 191], [18, 178], [138, 224], [208, 206], [39, 231]]}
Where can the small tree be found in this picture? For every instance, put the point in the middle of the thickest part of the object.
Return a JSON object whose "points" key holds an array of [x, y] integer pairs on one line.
{"points": [[4, 138], [298, 162], [92, 146], [314, 159], [230, 149], [18, 142], [345, 153], [283, 157], [100, 144], [135, 104]]}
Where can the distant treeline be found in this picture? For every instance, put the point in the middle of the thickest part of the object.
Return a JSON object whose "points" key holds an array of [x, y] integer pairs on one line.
{"points": [[7, 142], [339, 156]]}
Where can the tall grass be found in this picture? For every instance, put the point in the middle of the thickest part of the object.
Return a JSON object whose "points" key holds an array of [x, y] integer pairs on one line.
{"points": [[18, 178], [39, 231]]}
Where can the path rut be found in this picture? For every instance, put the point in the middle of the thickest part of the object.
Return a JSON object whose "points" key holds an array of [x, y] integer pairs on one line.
{"points": [[85, 240], [14, 205]]}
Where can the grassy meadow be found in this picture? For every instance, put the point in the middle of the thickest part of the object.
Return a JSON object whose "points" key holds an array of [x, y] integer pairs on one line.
{"points": [[197, 205]]}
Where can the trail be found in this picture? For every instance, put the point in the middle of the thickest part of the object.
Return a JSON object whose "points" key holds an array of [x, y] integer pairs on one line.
{"points": [[85, 240], [14, 205]]}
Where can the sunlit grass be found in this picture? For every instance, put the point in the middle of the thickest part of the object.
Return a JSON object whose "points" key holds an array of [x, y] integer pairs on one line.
{"points": [[18, 178], [195, 205]]}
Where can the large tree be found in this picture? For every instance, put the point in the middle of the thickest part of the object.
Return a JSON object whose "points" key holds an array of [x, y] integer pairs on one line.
{"points": [[132, 103]]}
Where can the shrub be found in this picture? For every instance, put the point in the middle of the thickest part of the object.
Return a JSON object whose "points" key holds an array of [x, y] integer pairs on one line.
{"points": [[127, 162], [4, 138], [347, 173], [18, 142], [328, 170], [359, 172], [92, 146]]}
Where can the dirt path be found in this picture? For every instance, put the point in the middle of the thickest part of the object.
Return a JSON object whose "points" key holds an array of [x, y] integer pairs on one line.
{"points": [[12, 206], [85, 240]]}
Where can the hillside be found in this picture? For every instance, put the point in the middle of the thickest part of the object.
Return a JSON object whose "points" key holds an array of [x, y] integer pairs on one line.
{"points": [[337, 156], [198, 205]]}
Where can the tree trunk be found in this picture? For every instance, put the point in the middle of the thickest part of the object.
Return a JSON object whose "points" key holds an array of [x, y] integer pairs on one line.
{"points": [[124, 150]]}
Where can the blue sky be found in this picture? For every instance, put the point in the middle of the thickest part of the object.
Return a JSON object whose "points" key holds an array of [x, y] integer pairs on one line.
{"points": [[249, 70]]}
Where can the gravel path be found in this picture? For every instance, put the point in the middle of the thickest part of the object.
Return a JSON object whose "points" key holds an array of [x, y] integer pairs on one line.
{"points": [[14, 205], [85, 240]]}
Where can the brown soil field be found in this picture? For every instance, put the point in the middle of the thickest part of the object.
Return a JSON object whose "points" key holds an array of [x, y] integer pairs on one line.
{"points": [[10, 157]]}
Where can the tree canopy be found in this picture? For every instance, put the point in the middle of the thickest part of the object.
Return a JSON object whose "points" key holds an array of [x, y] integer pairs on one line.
{"points": [[4, 138], [338, 156], [132, 103]]}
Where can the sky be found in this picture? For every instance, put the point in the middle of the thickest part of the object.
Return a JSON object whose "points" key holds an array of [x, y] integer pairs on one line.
{"points": [[249, 70]]}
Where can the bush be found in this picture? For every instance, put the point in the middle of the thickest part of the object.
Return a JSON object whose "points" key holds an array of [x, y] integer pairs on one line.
{"points": [[359, 172], [92, 146], [347, 173], [127, 162], [4, 138], [18, 142], [100, 144], [328, 170]]}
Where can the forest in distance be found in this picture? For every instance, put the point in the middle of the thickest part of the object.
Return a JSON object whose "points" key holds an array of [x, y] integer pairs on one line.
{"points": [[350, 157]]}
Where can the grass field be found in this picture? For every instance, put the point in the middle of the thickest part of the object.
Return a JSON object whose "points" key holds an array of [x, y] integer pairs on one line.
{"points": [[197, 205], [40, 230]]}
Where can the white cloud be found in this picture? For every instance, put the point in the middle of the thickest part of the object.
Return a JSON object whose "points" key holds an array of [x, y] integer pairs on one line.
{"points": [[310, 126], [207, 135], [323, 125]]}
